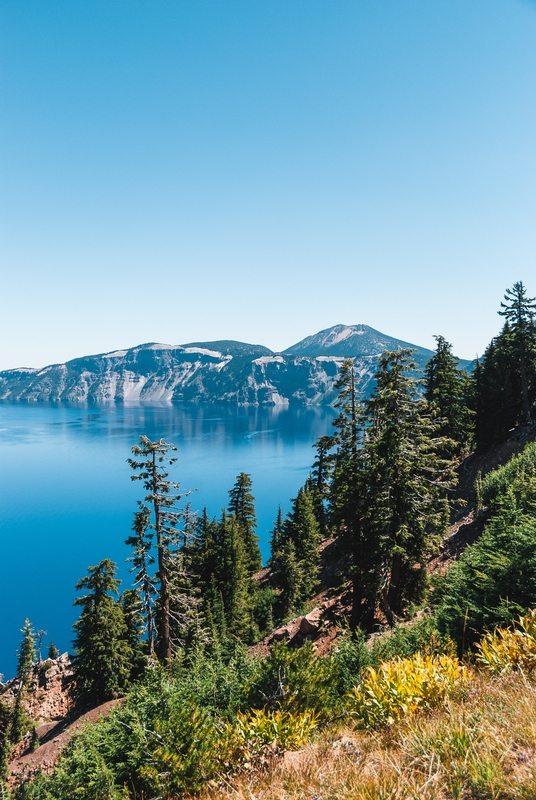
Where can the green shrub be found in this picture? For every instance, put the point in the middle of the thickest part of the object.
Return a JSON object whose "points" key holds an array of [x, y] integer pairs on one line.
{"points": [[495, 578], [349, 659], [295, 680], [252, 736], [517, 476], [405, 640]]}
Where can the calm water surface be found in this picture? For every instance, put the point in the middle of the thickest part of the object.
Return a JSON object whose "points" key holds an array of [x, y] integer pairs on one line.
{"points": [[66, 498]]}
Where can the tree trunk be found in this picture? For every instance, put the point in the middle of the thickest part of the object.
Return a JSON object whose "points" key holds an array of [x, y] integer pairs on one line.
{"points": [[524, 385], [164, 633]]}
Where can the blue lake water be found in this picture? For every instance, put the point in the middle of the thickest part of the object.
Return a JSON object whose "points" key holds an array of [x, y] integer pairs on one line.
{"points": [[66, 497]]}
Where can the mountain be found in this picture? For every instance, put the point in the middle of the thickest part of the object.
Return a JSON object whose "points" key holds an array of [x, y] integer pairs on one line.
{"points": [[220, 371], [352, 341]]}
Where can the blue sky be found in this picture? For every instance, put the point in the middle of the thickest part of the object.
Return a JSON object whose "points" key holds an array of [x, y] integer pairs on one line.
{"points": [[182, 170]]}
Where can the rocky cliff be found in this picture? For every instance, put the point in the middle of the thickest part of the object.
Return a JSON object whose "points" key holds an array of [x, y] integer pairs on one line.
{"points": [[222, 371]]}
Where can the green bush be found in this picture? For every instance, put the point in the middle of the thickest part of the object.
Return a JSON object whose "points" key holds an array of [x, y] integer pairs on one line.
{"points": [[517, 476], [405, 640], [495, 578], [295, 680]]}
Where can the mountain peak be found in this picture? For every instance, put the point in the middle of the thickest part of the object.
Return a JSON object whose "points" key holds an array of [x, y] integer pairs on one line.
{"points": [[350, 341]]}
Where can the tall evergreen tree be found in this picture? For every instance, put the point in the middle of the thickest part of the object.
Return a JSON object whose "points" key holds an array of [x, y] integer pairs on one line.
{"points": [[287, 574], [348, 496], [242, 505], [186, 620], [233, 576], [505, 386], [448, 388], [142, 560], [19, 723], [163, 498], [405, 503], [497, 390], [102, 654], [223, 568], [319, 483], [27, 652], [519, 311], [132, 606], [296, 556], [276, 539]]}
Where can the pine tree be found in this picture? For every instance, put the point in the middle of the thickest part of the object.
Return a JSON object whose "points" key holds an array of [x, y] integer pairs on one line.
{"points": [[497, 390], [142, 560], [53, 652], [276, 539], [233, 577], [163, 497], [27, 652], [505, 384], [287, 575], [295, 561], [187, 627], [242, 505], [102, 656], [348, 496], [222, 567], [19, 723], [319, 483], [303, 531], [405, 503], [132, 606], [519, 311], [448, 388]]}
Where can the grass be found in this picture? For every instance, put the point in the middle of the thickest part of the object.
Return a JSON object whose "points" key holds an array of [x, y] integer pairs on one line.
{"points": [[482, 746]]}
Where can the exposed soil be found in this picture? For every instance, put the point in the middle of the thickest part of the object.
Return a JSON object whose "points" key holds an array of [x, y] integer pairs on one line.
{"points": [[53, 736]]}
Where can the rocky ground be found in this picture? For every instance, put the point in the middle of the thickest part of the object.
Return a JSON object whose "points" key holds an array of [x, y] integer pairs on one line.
{"points": [[49, 703]]}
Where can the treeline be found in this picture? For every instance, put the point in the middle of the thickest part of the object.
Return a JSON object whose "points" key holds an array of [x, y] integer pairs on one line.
{"points": [[380, 490]]}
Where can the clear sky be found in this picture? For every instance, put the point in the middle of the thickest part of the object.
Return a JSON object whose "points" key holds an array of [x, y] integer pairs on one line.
{"points": [[182, 170]]}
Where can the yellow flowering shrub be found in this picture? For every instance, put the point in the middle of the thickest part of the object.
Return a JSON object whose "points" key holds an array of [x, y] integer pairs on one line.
{"points": [[403, 686], [508, 649]]}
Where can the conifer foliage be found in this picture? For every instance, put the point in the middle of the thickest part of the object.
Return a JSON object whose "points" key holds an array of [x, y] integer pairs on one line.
{"points": [[161, 516], [295, 552], [242, 507], [388, 488], [103, 643], [449, 389], [407, 480], [505, 378]]}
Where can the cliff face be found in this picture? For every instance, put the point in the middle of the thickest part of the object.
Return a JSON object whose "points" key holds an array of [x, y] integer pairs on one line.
{"points": [[221, 371]]}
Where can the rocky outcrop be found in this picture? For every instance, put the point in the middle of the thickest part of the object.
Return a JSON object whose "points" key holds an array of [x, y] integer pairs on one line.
{"points": [[48, 696], [221, 371]]}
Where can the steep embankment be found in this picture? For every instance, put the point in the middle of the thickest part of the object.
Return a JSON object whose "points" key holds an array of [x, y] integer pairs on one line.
{"points": [[48, 701], [467, 523], [221, 371]]}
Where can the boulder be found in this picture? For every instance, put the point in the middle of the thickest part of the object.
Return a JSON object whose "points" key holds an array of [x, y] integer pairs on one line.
{"points": [[311, 623]]}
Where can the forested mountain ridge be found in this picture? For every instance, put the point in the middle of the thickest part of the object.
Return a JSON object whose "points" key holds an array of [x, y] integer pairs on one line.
{"points": [[219, 371]]}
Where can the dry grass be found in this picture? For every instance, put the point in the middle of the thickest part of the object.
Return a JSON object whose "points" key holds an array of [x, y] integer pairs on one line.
{"points": [[482, 746]]}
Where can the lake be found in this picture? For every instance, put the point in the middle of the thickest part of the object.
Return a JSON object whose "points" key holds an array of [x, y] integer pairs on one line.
{"points": [[67, 500]]}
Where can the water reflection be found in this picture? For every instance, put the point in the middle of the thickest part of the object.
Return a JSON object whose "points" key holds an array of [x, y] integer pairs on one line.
{"points": [[66, 498]]}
